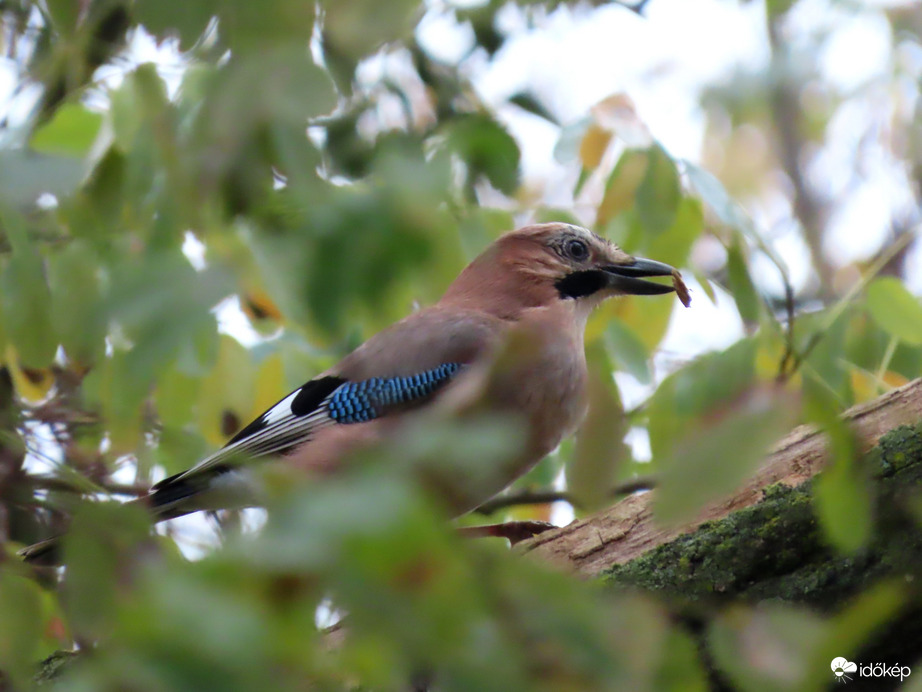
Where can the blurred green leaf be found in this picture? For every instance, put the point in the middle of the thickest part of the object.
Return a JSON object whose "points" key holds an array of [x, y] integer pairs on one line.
{"points": [[659, 193], [20, 626], [721, 452], [599, 452], [842, 493], [628, 350], [24, 295], [674, 244], [744, 292], [358, 28], [621, 186], [531, 104], [186, 20], [843, 505], [693, 393], [78, 314], [161, 322], [715, 195], [65, 15], [71, 131], [896, 309], [98, 550], [487, 149]]}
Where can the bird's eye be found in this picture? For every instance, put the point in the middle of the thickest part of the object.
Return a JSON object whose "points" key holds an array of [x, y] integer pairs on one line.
{"points": [[577, 249]]}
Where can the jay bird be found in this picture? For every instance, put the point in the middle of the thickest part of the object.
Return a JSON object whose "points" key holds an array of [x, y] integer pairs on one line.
{"points": [[539, 283]]}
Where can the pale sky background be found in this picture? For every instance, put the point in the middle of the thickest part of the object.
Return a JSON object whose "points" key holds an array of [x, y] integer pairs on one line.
{"points": [[572, 59]]}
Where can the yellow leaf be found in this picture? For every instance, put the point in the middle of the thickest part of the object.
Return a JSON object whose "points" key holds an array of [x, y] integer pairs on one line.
{"points": [[257, 305], [226, 394], [270, 385], [866, 386], [540, 512], [593, 146], [31, 384]]}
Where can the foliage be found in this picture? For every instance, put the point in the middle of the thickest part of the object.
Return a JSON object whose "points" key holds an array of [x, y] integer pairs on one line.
{"points": [[274, 175]]}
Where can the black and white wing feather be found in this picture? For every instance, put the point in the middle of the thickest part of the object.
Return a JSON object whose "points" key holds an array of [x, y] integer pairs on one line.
{"points": [[295, 419]]}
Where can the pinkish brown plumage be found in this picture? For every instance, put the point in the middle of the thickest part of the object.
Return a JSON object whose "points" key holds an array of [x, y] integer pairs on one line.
{"points": [[506, 338]]}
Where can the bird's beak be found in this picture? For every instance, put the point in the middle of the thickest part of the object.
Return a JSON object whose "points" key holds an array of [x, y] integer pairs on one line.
{"points": [[625, 278]]}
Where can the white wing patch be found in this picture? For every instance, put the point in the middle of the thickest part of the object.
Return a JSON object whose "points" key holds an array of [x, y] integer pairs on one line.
{"points": [[281, 410], [287, 424]]}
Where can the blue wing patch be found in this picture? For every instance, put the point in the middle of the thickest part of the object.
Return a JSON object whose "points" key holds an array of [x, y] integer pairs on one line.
{"points": [[294, 420], [358, 402]]}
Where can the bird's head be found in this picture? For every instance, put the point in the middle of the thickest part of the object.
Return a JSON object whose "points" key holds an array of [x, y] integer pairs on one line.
{"points": [[538, 265]]}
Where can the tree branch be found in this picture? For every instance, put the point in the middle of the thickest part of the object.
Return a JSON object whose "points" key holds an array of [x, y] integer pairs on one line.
{"points": [[628, 529]]}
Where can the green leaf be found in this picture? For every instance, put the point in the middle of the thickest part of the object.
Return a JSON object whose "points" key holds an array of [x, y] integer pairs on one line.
{"points": [[78, 314], [744, 291], [187, 20], [628, 350], [160, 322], [357, 28], [97, 550], [64, 14], [659, 193], [842, 492], [843, 505], [715, 195], [488, 150], [20, 627], [530, 104], [126, 113], [895, 309], [25, 298], [600, 450], [698, 392], [674, 245], [71, 131], [722, 450], [622, 185]]}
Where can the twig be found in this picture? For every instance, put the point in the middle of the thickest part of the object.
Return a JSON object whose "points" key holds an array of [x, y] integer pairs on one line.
{"points": [[545, 496], [846, 300], [513, 531]]}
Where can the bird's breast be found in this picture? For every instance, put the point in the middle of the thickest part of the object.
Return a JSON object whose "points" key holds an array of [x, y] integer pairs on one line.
{"points": [[542, 378]]}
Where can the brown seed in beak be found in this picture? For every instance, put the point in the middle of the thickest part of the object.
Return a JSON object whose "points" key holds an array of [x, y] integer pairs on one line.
{"points": [[681, 290]]}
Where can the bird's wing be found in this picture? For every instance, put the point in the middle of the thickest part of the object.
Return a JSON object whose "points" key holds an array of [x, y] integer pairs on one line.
{"points": [[397, 370]]}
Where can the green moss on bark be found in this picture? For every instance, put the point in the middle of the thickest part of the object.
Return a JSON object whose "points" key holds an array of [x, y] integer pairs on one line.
{"points": [[775, 549]]}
